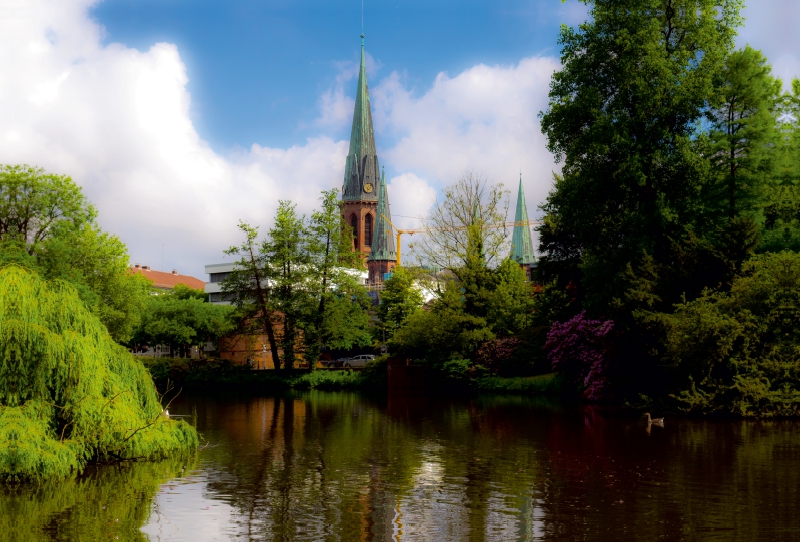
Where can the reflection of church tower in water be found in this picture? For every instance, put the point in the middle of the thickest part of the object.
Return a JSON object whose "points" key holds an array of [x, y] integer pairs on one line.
{"points": [[365, 201]]}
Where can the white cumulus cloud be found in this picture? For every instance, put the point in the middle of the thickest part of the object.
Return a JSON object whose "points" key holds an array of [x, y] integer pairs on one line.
{"points": [[484, 120], [410, 198], [118, 120], [771, 26]]}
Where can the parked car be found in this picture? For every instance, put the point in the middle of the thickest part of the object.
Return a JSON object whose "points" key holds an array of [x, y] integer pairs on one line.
{"points": [[335, 362], [358, 361]]}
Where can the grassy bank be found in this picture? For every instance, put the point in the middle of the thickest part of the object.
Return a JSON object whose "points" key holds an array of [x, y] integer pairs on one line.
{"points": [[546, 384], [216, 374], [220, 374]]}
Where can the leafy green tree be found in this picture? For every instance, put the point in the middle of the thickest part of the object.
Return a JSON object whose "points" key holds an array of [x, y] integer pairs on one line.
{"points": [[400, 298], [183, 318], [298, 287], [474, 277], [740, 145], [551, 304], [250, 291], [337, 315], [346, 322], [782, 209], [510, 302], [36, 206], [736, 352], [318, 299], [288, 272], [476, 299], [97, 264], [456, 324], [445, 331], [623, 112], [47, 224]]}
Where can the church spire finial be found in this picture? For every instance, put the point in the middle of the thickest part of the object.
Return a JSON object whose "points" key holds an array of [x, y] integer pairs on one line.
{"points": [[362, 173]]}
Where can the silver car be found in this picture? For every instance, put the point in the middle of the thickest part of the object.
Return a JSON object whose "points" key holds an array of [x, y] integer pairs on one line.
{"points": [[358, 361], [335, 362]]}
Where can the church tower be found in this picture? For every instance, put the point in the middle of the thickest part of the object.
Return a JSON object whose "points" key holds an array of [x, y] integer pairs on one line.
{"points": [[382, 256], [361, 193], [521, 242]]}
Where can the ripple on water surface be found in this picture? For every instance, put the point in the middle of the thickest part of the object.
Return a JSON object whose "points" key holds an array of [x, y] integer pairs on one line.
{"points": [[340, 466]]}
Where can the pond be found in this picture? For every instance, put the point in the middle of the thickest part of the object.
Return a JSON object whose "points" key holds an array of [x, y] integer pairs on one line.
{"points": [[344, 466]]}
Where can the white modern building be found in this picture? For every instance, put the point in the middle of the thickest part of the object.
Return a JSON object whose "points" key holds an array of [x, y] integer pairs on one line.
{"points": [[217, 272]]}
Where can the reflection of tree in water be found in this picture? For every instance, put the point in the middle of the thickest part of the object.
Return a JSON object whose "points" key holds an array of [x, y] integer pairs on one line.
{"points": [[106, 501], [691, 481], [338, 466], [317, 469]]}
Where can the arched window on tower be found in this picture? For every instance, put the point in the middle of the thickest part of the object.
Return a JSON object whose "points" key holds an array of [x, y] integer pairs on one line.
{"points": [[354, 225], [368, 230]]}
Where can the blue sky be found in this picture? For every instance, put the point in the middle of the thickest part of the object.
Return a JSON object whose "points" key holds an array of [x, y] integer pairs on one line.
{"points": [[181, 117], [257, 68]]}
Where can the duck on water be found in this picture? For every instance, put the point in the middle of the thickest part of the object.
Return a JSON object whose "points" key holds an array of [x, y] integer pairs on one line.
{"points": [[653, 421]]}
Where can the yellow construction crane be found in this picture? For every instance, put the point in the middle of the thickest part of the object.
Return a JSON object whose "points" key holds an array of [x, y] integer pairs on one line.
{"points": [[423, 230], [401, 232]]}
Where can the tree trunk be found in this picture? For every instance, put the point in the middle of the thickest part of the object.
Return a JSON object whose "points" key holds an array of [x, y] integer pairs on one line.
{"points": [[266, 314], [312, 364]]}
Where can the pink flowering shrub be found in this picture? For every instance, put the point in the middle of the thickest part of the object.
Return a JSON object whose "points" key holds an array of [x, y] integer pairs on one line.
{"points": [[579, 349]]}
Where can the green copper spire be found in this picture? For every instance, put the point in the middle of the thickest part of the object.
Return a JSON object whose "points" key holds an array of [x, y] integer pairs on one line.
{"points": [[383, 248], [521, 242], [361, 173]]}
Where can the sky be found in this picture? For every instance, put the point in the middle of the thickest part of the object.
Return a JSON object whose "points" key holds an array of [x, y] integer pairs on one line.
{"points": [[179, 118]]}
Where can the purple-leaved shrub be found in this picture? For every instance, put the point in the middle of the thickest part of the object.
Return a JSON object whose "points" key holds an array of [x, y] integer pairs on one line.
{"points": [[497, 353], [579, 349]]}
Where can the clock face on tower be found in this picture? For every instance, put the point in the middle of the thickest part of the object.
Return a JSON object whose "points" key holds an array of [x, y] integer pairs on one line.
{"points": [[368, 188]]}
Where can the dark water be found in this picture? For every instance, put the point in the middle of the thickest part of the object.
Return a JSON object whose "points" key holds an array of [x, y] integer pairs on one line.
{"points": [[341, 466]]}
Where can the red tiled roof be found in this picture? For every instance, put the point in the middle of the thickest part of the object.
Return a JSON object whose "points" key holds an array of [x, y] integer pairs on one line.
{"points": [[168, 281]]}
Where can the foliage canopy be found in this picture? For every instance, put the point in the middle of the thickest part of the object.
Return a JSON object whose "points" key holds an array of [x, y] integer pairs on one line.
{"points": [[737, 352], [68, 392], [182, 318], [299, 284], [47, 224], [623, 112]]}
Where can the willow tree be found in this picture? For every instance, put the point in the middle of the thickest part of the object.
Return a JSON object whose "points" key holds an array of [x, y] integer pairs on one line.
{"points": [[68, 393]]}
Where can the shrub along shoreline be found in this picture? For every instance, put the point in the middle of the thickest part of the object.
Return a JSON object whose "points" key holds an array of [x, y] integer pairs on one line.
{"points": [[224, 375]]}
